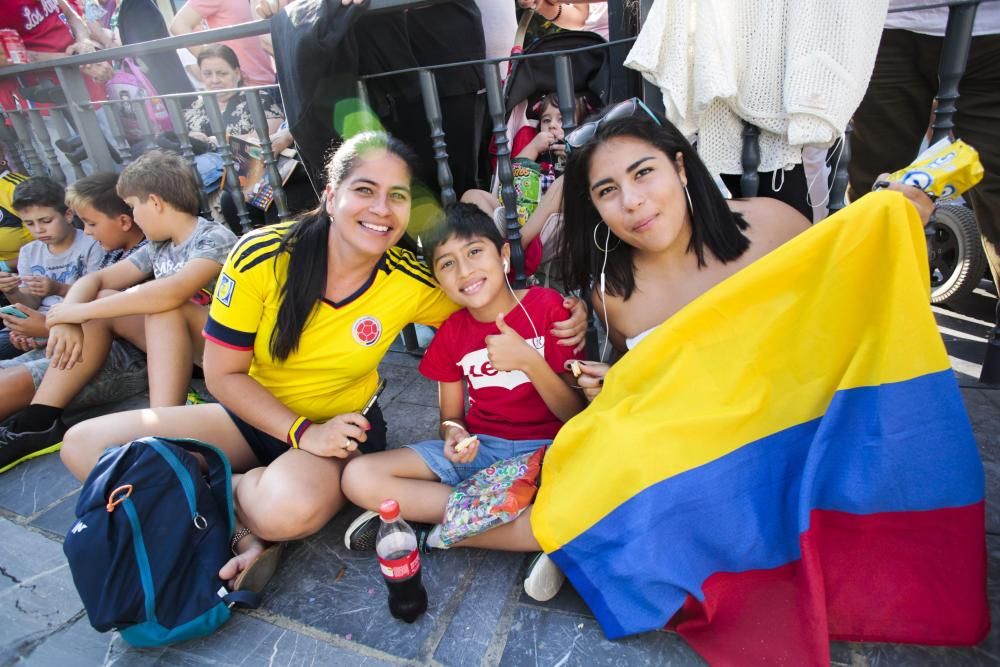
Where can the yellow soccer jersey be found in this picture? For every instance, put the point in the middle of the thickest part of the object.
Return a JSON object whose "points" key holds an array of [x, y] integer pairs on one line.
{"points": [[13, 234], [333, 371]]}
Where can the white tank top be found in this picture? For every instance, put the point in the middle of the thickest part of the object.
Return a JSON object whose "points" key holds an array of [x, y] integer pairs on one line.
{"points": [[634, 340]]}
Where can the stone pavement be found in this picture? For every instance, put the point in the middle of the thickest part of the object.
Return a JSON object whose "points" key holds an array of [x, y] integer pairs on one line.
{"points": [[328, 606]]}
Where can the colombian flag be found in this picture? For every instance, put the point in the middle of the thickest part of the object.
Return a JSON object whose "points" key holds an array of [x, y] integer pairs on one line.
{"points": [[785, 461]]}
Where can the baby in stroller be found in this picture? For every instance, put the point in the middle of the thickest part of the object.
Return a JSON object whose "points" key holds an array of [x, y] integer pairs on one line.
{"points": [[539, 157]]}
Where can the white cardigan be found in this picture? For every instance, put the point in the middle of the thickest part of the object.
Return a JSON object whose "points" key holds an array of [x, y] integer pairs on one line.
{"points": [[797, 69]]}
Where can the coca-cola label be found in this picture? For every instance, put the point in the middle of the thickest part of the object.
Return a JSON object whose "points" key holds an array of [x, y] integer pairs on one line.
{"points": [[400, 568], [13, 47]]}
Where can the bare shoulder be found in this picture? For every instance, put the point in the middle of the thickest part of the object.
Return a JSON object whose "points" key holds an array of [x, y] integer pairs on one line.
{"points": [[772, 222]]}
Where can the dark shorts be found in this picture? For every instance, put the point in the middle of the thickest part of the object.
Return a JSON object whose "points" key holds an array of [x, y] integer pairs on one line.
{"points": [[267, 448]]}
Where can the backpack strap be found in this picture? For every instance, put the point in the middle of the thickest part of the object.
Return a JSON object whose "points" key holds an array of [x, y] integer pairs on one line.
{"points": [[219, 473], [246, 599]]}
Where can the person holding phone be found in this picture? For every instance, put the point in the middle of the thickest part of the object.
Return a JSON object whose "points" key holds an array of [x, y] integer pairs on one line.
{"points": [[302, 315]]}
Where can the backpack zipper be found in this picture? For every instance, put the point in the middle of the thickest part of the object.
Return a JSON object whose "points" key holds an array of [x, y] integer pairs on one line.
{"points": [[185, 479]]}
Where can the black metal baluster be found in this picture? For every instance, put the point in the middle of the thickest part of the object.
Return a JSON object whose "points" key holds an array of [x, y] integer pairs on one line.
{"points": [[20, 124], [839, 157], [259, 119], [432, 109], [505, 173], [232, 176], [141, 112], [180, 129], [951, 67], [58, 117], [750, 181], [42, 133], [565, 92], [118, 132], [84, 118]]}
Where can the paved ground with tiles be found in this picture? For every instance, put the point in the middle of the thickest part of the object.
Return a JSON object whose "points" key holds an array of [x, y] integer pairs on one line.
{"points": [[328, 606]]}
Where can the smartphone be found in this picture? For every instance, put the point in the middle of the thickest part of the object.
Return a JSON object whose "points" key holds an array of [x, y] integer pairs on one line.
{"points": [[5, 267], [11, 310], [371, 401]]}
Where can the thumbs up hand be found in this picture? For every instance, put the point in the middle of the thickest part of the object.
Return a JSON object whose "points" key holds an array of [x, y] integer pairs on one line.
{"points": [[507, 351]]}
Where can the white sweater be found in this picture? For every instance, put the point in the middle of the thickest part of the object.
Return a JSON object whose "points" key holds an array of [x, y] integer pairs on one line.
{"points": [[797, 69]]}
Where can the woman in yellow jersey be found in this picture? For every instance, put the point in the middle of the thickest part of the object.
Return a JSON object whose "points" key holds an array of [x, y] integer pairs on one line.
{"points": [[302, 315]]}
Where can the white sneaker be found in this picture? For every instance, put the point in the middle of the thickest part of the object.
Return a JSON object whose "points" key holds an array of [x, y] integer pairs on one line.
{"points": [[543, 579]]}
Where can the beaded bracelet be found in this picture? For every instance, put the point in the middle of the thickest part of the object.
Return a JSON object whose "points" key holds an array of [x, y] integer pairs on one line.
{"points": [[296, 430]]}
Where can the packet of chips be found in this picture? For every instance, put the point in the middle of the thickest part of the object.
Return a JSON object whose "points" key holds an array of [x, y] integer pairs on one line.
{"points": [[492, 497], [527, 184], [944, 171]]}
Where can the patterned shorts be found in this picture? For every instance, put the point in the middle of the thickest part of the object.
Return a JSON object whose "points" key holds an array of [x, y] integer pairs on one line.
{"points": [[123, 374]]}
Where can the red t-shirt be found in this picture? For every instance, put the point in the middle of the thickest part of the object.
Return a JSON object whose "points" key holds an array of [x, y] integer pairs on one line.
{"points": [[503, 404], [42, 27], [40, 23]]}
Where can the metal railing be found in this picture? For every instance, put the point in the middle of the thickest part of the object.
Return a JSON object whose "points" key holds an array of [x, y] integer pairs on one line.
{"points": [[79, 115], [81, 112]]}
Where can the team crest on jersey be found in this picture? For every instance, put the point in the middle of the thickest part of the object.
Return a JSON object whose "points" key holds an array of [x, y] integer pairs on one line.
{"points": [[224, 291], [366, 331]]}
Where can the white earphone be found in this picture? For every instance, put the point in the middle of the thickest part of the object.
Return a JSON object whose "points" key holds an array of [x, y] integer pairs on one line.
{"points": [[506, 267]]}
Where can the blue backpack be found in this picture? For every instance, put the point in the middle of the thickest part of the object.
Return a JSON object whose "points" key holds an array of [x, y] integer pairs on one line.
{"points": [[151, 535]]}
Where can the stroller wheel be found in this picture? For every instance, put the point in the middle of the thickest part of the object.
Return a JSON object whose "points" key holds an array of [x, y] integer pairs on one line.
{"points": [[957, 260]]}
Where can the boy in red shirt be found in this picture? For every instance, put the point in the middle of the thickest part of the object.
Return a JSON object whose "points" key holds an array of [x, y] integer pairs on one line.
{"points": [[498, 346]]}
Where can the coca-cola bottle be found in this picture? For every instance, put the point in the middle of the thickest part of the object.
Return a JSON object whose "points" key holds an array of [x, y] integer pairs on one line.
{"points": [[399, 560]]}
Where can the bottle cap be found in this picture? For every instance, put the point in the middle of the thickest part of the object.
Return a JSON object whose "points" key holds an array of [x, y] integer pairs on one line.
{"points": [[389, 510]]}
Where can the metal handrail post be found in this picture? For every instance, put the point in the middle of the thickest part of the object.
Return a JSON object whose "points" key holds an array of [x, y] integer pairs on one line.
{"points": [[750, 160], [256, 108], [432, 109], [954, 56], [505, 171], [84, 118], [20, 124], [180, 129], [232, 178], [42, 132]]}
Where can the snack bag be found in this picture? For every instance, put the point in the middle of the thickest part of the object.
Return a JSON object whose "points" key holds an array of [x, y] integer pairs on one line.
{"points": [[492, 497], [945, 170], [527, 184]]}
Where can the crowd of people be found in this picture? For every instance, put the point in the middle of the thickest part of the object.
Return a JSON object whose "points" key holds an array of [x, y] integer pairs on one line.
{"points": [[149, 289]]}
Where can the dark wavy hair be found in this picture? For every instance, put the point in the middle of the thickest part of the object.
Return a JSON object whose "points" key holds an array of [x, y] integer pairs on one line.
{"points": [[307, 242], [713, 225]]}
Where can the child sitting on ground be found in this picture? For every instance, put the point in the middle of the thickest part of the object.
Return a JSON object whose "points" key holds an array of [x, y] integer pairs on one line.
{"points": [[499, 346], [108, 220], [164, 316], [47, 266], [538, 149]]}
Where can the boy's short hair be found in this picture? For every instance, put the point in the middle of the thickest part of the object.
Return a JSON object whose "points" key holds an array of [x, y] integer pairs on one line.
{"points": [[462, 221], [39, 191], [98, 191], [165, 175]]}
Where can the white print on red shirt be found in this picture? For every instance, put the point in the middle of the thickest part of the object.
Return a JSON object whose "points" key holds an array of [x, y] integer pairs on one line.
{"points": [[34, 18], [477, 367]]}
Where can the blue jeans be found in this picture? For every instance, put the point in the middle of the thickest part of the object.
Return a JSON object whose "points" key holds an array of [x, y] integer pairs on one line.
{"points": [[491, 450]]}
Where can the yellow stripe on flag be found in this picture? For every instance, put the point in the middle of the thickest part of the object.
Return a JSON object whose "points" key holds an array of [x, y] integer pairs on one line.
{"points": [[843, 305]]}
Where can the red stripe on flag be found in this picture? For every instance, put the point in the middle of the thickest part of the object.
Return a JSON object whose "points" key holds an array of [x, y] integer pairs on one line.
{"points": [[908, 577]]}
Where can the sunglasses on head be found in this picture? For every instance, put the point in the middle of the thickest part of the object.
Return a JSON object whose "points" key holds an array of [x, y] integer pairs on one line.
{"points": [[581, 135]]}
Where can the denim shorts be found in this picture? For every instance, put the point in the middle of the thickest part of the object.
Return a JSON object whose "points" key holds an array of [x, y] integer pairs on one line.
{"points": [[267, 448], [491, 450]]}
